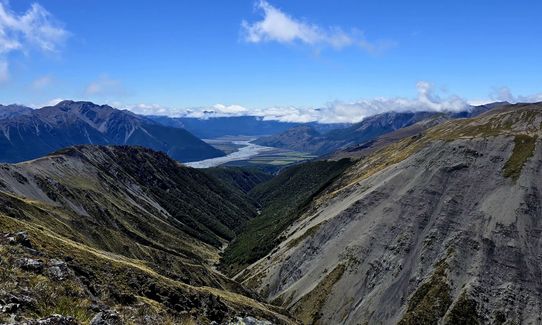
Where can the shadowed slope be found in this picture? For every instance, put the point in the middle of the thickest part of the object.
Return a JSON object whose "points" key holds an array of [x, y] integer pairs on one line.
{"points": [[39, 132]]}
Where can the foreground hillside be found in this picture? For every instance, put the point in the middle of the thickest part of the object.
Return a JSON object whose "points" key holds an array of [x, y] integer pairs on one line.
{"points": [[435, 223], [440, 227], [27, 134], [119, 232]]}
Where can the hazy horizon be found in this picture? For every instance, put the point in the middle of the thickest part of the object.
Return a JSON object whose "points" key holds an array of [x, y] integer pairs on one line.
{"points": [[280, 60]]}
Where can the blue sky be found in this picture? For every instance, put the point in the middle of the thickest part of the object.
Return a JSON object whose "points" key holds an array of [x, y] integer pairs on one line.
{"points": [[243, 56]]}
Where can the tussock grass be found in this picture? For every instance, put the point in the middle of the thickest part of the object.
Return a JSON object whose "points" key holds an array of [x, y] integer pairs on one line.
{"points": [[431, 300], [524, 146], [307, 309]]}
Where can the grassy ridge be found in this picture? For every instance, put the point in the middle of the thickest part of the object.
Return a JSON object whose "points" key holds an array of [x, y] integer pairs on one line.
{"points": [[201, 206], [135, 230], [523, 150], [139, 291], [284, 199]]}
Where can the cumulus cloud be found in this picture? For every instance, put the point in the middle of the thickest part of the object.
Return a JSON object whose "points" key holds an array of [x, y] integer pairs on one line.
{"points": [[36, 29], [153, 109], [333, 112], [105, 86], [278, 26], [351, 112], [505, 94]]}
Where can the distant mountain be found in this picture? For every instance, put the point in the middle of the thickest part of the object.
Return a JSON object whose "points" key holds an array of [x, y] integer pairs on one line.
{"points": [[10, 111], [216, 127], [302, 138], [308, 139], [38, 132]]}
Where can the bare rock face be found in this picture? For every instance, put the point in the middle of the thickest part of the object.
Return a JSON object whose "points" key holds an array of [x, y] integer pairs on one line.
{"points": [[58, 270], [249, 320], [30, 264], [52, 320], [443, 228], [109, 317]]}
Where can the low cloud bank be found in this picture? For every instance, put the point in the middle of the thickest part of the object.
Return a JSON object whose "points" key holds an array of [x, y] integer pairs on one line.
{"points": [[334, 112]]}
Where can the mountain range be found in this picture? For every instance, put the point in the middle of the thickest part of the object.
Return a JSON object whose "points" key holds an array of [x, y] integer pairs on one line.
{"points": [[433, 220], [305, 138], [216, 127], [10, 111], [27, 134]]}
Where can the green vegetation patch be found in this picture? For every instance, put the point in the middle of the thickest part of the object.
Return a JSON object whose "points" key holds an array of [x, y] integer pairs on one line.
{"points": [[463, 311], [132, 287], [311, 231], [431, 300], [238, 178], [284, 199], [524, 146], [307, 309]]}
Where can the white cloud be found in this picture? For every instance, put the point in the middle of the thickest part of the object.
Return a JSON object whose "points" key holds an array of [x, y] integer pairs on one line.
{"points": [[334, 112], [105, 86], [4, 73], [35, 29], [51, 102], [54, 101], [479, 102], [230, 109], [351, 112], [151, 109], [278, 26], [42, 82], [505, 94]]}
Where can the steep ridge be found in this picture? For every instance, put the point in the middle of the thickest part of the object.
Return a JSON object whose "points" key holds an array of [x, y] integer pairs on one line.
{"points": [[437, 228], [39, 132], [131, 228], [10, 111]]}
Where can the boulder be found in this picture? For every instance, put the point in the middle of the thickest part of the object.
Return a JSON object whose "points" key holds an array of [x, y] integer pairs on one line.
{"points": [[57, 270], [52, 320], [20, 238], [30, 264], [109, 317], [10, 308], [249, 320]]}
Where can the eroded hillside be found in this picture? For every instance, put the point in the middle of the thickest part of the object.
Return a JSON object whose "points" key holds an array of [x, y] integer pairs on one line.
{"points": [[440, 227]]}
